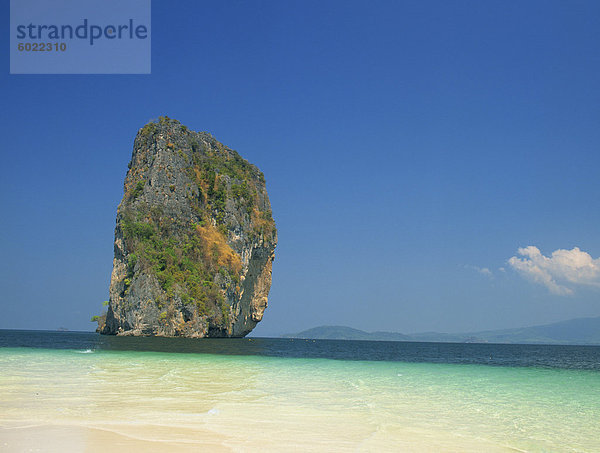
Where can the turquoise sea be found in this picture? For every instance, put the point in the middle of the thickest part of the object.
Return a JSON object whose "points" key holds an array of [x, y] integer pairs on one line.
{"points": [[83, 392]]}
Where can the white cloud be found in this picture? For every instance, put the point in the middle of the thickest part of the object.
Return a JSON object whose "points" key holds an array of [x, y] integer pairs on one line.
{"points": [[484, 271], [481, 270], [559, 272]]}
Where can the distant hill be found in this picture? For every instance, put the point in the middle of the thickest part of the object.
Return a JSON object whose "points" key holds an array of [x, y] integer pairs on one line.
{"points": [[573, 331], [347, 333]]}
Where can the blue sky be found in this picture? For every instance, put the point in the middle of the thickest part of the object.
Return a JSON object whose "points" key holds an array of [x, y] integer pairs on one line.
{"points": [[410, 149]]}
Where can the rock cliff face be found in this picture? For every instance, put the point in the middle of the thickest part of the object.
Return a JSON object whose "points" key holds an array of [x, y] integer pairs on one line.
{"points": [[194, 240]]}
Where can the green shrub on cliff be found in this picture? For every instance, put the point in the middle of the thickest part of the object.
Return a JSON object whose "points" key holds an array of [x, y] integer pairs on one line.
{"points": [[184, 265], [138, 189]]}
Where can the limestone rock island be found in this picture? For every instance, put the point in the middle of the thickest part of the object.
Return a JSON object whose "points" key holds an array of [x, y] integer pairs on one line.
{"points": [[194, 239]]}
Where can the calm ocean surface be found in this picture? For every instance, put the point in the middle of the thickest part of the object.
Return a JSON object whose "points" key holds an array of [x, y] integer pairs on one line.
{"points": [[259, 394]]}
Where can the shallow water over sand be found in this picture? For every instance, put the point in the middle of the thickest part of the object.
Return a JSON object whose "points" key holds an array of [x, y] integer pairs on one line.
{"points": [[157, 401]]}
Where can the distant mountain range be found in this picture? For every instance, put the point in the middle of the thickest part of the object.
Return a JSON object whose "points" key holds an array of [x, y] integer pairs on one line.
{"points": [[573, 331]]}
